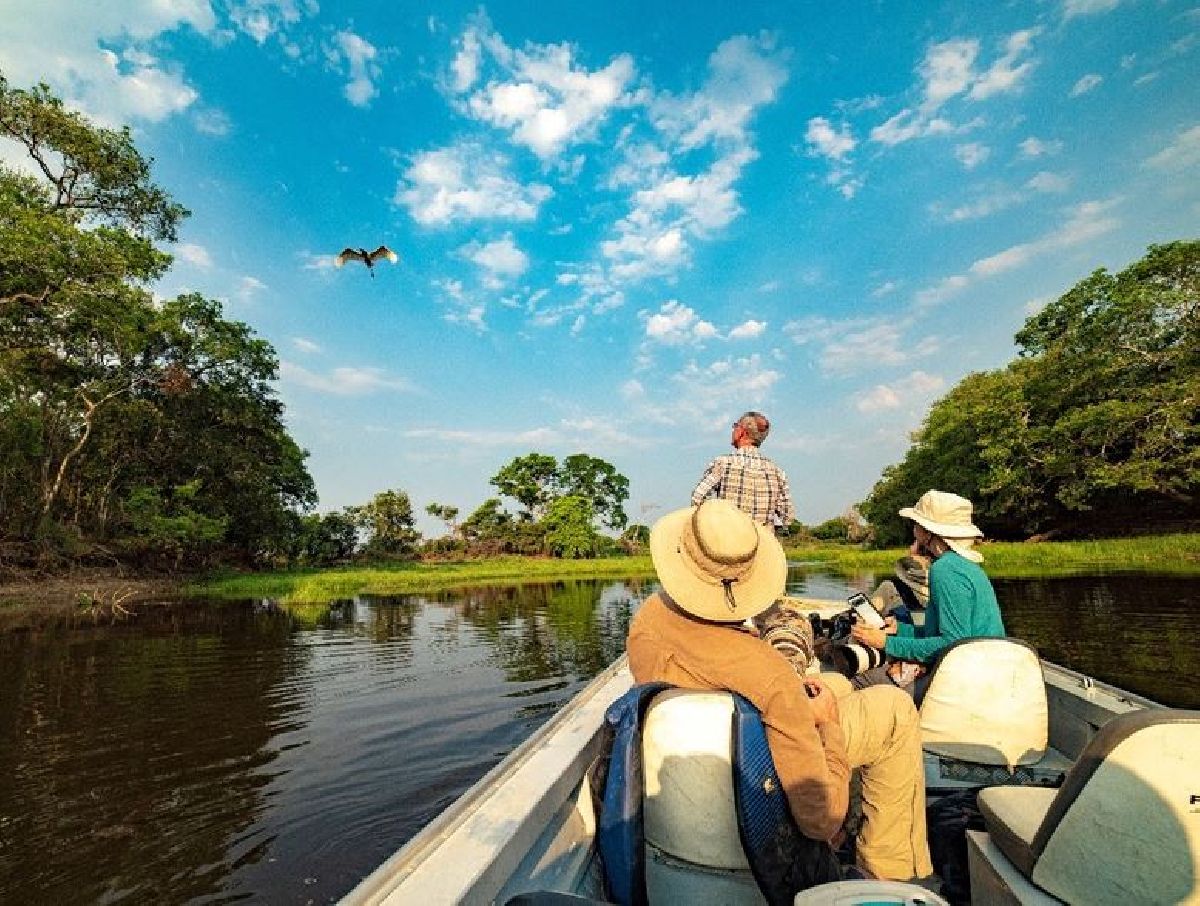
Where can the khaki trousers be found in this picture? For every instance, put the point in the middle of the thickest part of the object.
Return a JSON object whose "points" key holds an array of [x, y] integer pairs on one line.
{"points": [[883, 739]]}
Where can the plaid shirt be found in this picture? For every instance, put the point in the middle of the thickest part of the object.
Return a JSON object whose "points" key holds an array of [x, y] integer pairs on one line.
{"points": [[752, 483]]}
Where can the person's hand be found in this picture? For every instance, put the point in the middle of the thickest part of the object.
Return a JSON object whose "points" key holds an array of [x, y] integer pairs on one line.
{"points": [[889, 626], [872, 638], [821, 700]]}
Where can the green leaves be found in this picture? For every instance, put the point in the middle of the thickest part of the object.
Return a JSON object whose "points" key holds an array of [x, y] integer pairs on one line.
{"points": [[1096, 424]]}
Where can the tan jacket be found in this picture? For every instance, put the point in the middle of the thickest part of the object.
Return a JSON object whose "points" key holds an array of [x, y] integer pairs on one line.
{"points": [[667, 646]]}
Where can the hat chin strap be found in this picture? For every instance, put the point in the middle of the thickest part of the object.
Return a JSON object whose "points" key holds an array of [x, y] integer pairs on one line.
{"points": [[727, 584]]}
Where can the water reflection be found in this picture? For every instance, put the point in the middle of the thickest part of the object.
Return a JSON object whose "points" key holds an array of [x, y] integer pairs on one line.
{"points": [[217, 752]]}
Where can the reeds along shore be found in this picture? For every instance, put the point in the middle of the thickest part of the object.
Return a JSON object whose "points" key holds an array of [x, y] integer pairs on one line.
{"points": [[1165, 554]]}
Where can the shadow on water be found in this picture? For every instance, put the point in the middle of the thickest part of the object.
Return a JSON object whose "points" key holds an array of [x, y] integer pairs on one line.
{"points": [[211, 752]]}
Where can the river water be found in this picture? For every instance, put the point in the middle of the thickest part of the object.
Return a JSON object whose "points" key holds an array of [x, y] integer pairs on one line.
{"points": [[218, 752]]}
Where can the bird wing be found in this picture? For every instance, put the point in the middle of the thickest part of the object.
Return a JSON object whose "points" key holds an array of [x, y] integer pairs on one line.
{"points": [[384, 252], [345, 255]]}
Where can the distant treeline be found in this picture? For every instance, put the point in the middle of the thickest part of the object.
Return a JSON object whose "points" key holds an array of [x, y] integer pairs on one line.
{"points": [[1094, 429]]}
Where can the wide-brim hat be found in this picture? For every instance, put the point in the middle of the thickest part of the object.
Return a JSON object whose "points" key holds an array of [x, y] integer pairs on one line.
{"points": [[949, 517], [717, 563]]}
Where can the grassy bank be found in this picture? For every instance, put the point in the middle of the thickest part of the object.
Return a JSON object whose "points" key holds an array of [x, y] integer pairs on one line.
{"points": [[411, 578], [1174, 554]]}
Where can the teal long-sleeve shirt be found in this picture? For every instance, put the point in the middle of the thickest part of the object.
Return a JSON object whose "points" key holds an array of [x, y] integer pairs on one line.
{"points": [[962, 605]]}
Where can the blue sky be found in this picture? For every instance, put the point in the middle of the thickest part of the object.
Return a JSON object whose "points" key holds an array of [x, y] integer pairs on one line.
{"points": [[620, 225]]}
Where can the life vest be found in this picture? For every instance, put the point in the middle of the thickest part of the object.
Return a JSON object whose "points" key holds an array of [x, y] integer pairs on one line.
{"points": [[782, 860]]}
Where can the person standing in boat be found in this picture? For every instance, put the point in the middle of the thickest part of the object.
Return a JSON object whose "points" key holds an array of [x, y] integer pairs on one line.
{"points": [[718, 568], [962, 602], [747, 479]]}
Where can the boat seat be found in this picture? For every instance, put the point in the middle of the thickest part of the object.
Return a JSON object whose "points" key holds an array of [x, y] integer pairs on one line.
{"points": [[985, 704], [693, 851], [1124, 828]]}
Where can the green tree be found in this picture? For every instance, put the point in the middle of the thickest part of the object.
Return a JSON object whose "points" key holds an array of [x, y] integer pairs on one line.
{"points": [[569, 530], [111, 403], [598, 482], [388, 523], [1099, 414], [531, 481]]}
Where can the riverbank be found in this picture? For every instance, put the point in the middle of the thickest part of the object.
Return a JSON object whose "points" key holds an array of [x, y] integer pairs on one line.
{"points": [[1163, 554]]}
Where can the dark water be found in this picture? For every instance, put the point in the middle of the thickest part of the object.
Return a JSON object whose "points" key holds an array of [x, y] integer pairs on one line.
{"points": [[215, 753]]}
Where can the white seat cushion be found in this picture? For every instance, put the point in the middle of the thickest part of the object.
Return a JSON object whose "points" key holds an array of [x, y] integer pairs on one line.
{"points": [[986, 703], [1013, 815]]}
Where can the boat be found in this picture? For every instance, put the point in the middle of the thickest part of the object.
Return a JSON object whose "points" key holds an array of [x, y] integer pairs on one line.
{"points": [[526, 831]]}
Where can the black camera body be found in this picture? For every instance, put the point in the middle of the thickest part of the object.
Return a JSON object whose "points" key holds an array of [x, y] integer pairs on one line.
{"points": [[847, 656]]}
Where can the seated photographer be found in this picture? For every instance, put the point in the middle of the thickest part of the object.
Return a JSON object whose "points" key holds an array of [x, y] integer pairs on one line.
{"points": [[718, 568], [962, 602]]}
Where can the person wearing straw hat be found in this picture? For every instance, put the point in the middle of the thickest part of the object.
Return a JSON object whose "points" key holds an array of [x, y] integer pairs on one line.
{"points": [[962, 602], [718, 568]]}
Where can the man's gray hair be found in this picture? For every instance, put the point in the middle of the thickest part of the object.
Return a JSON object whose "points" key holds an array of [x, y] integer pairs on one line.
{"points": [[756, 426]]}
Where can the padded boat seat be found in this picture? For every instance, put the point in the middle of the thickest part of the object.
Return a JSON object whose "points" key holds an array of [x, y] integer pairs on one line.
{"points": [[985, 703], [693, 851], [1124, 828]]}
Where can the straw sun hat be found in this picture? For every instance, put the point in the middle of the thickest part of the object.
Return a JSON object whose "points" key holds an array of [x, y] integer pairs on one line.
{"points": [[949, 517], [717, 563]]}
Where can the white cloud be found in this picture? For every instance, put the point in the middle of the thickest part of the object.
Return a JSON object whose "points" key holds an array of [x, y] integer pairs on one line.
{"points": [[972, 154], [675, 324], [915, 390], [1048, 182], [1005, 75], [249, 286], [948, 71], [356, 56], [260, 19], [464, 182], [884, 289], [1085, 84], [1182, 154], [1033, 147], [1073, 8], [466, 62], [824, 141], [306, 345], [196, 255], [1084, 223], [848, 346], [748, 330], [1145, 79], [744, 73], [500, 260], [542, 96], [834, 145], [211, 122], [345, 381], [534, 437]]}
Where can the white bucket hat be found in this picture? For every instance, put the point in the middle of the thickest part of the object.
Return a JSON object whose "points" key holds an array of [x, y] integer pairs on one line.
{"points": [[949, 517], [717, 563]]}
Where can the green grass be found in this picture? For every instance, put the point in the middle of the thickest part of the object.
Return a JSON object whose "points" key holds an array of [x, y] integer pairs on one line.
{"points": [[1171, 554], [411, 578]]}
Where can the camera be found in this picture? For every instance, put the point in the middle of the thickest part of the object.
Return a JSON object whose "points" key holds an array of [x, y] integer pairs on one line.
{"points": [[847, 656]]}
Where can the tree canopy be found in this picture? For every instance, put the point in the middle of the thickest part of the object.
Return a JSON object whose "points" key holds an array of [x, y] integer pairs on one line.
{"points": [[1093, 428], [125, 421]]}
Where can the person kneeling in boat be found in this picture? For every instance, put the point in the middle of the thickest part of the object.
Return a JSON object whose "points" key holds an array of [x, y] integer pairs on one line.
{"points": [[962, 602], [718, 568]]}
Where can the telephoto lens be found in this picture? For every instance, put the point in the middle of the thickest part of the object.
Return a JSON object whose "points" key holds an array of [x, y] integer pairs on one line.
{"points": [[852, 658]]}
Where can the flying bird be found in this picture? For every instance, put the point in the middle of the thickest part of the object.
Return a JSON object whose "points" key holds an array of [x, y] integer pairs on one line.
{"points": [[367, 258]]}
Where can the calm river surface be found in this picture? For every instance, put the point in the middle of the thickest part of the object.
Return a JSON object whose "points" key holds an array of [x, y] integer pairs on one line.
{"points": [[219, 752]]}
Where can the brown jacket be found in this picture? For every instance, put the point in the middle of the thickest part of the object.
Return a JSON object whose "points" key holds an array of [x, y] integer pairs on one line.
{"points": [[667, 646]]}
